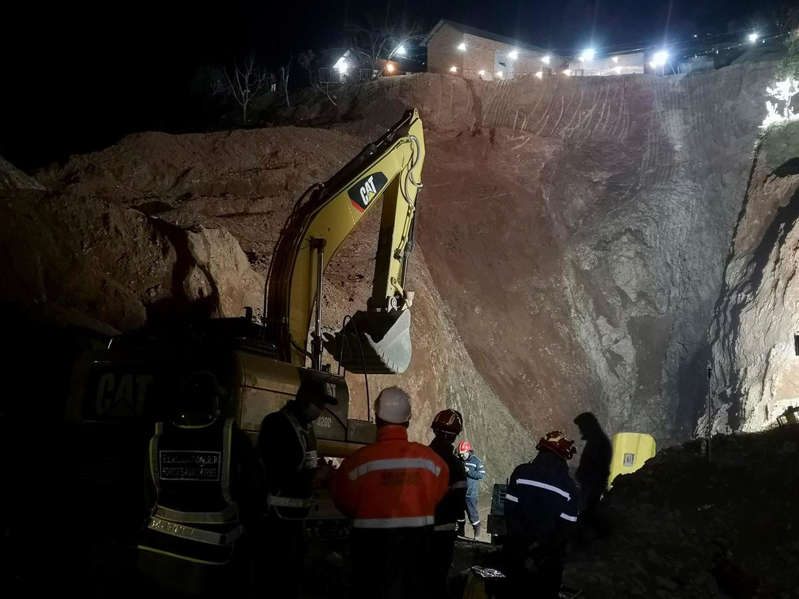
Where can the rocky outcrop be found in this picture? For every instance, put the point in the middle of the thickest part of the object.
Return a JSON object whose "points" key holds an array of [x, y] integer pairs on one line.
{"points": [[755, 375], [11, 178]]}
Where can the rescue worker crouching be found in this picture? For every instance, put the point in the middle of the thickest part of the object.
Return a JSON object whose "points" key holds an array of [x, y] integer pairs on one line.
{"points": [[541, 507], [447, 425], [390, 489], [198, 466], [287, 447]]}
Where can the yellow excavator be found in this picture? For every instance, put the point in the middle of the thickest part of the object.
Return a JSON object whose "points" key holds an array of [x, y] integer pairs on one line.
{"points": [[259, 365]]}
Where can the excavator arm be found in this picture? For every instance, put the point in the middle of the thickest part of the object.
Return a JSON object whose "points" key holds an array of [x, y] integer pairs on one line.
{"points": [[376, 340]]}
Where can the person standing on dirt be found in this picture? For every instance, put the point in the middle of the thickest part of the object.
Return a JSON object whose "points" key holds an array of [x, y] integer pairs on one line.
{"points": [[475, 472], [447, 425], [391, 489], [593, 472], [541, 508], [287, 446]]}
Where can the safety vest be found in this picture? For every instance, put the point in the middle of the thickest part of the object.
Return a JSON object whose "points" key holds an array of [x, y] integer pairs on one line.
{"points": [[194, 517], [290, 498]]}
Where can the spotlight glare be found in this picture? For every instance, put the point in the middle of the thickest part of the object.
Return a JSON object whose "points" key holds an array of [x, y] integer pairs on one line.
{"points": [[453, 69], [481, 72], [546, 59], [615, 59], [462, 47], [390, 68], [567, 72], [540, 74], [513, 54], [659, 59], [753, 37], [401, 50], [500, 74], [587, 54]]}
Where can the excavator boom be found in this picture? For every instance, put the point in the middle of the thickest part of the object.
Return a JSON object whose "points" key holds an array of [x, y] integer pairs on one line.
{"points": [[376, 340]]}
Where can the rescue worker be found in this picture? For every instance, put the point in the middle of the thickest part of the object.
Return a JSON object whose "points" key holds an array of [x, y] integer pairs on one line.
{"points": [[390, 489], [541, 506], [198, 462], [447, 425], [475, 471], [287, 446], [593, 472]]}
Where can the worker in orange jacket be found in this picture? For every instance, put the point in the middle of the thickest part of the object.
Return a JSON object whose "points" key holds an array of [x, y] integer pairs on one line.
{"points": [[390, 489]]}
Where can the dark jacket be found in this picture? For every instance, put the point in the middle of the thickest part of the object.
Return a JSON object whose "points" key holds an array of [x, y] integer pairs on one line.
{"points": [[541, 498], [287, 445], [594, 468], [450, 509], [474, 472]]}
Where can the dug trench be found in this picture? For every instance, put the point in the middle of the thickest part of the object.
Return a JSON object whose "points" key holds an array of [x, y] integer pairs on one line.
{"points": [[582, 245]]}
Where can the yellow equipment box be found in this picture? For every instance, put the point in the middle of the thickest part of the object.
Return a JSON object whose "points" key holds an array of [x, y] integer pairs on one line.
{"points": [[630, 451]]}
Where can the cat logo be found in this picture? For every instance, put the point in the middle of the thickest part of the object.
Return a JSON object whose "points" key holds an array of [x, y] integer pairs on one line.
{"points": [[120, 395], [366, 190]]}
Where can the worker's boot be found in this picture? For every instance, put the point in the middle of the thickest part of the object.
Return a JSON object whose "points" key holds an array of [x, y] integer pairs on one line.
{"points": [[476, 528], [461, 528]]}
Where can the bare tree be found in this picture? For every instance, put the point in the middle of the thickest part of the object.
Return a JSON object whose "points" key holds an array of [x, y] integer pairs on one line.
{"points": [[246, 82], [285, 72], [374, 41], [306, 61]]}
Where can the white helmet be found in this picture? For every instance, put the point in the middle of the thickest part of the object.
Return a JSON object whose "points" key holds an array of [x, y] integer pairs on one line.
{"points": [[393, 405]]}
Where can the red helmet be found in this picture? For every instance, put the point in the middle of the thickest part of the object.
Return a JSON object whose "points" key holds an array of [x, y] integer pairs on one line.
{"points": [[464, 446], [448, 421], [556, 442]]}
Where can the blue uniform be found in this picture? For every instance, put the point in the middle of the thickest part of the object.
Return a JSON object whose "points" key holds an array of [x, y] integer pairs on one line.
{"points": [[474, 472]]}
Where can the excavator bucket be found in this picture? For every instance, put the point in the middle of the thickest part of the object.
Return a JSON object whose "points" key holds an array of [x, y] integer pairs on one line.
{"points": [[373, 342]]}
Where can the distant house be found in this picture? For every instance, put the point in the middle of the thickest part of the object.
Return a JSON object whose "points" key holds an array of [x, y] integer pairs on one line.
{"points": [[476, 54], [614, 64]]}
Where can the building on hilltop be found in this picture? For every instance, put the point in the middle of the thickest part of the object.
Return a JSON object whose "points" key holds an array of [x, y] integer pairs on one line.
{"points": [[630, 63], [477, 54]]}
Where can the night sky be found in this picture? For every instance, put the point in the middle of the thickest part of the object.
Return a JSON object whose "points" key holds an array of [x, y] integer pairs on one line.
{"points": [[78, 75]]}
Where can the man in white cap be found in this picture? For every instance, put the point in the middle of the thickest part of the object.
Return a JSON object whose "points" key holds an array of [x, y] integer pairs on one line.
{"points": [[390, 489]]}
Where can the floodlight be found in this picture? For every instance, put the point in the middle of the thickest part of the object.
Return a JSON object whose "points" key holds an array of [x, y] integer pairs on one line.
{"points": [[615, 59], [462, 46], [540, 74], [453, 69], [513, 54], [546, 59], [587, 54], [752, 37], [401, 50], [390, 67]]}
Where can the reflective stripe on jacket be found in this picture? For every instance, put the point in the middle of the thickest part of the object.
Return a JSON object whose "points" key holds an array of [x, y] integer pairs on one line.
{"points": [[474, 472], [450, 509], [289, 454], [392, 483], [194, 517], [540, 497]]}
